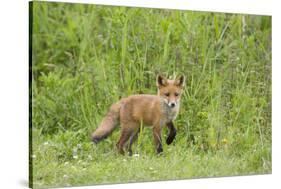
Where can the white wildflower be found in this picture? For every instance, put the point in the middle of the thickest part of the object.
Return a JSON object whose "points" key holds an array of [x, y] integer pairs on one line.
{"points": [[65, 176], [136, 155]]}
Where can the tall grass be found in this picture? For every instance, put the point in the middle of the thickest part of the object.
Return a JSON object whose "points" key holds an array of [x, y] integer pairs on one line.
{"points": [[86, 57]]}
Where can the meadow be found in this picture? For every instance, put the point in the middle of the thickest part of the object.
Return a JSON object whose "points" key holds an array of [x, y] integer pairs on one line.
{"points": [[83, 58]]}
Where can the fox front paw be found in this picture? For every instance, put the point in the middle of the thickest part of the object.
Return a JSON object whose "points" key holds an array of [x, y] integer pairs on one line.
{"points": [[169, 140]]}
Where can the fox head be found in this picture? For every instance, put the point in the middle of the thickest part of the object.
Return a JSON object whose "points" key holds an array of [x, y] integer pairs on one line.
{"points": [[170, 90]]}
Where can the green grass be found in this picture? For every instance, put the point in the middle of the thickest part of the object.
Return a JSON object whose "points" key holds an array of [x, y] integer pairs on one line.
{"points": [[86, 57]]}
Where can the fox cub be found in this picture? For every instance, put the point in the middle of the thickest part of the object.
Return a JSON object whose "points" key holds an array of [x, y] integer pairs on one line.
{"points": [[155, 111]]}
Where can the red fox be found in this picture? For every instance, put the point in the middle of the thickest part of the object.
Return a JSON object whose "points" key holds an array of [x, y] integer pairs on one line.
{"points": [[151, 110]]}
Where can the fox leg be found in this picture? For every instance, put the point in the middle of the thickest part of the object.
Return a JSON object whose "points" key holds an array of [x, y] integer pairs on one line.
{"points": [[157, 138], [133, 138], [125, 135], [172, 133], [128, 129]]}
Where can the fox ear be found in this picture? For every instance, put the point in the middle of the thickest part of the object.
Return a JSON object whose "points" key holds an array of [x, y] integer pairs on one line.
{"points": [[180, 81], [161, 81]]}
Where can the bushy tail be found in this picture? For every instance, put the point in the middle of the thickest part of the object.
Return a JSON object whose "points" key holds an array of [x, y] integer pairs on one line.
{"points": [[108, 123]]}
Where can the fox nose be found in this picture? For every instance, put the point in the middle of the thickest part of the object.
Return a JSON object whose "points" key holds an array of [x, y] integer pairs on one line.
{"points": [[173, 104]]}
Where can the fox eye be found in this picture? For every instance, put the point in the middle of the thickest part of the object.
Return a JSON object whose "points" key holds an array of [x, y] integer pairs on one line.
{"points": [[176, 94], [167, 94]]}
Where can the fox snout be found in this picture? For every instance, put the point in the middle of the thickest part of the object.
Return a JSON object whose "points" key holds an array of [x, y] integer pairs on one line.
{"points": [[172, 104]]}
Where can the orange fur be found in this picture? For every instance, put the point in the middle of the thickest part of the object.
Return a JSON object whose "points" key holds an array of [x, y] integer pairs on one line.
{"points": [[155, 111]]}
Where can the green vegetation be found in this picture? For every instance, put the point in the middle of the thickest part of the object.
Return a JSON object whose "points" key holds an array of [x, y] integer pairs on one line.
{"points": [[86, 57]]}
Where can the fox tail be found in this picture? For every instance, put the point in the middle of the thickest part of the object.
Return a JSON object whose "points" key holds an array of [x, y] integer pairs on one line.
{"points": [[108, 123]]}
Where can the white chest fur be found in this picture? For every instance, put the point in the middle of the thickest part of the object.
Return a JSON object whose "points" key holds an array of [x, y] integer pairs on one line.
{"points": [[168, 114]]}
